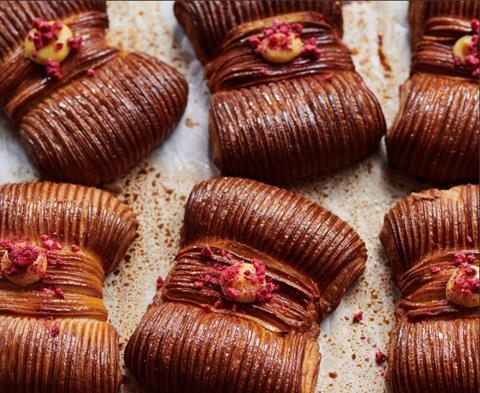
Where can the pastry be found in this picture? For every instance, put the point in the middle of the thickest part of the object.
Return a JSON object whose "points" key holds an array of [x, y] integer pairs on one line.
{"points": [[85, 112], [435, 135], [286, 100], [57, 242], [432, 244], [258, 270]]}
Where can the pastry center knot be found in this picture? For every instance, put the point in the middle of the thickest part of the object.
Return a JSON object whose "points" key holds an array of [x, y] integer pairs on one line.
{"points": [[22, 263], [281, 43], [463, 287], [49, 43]]}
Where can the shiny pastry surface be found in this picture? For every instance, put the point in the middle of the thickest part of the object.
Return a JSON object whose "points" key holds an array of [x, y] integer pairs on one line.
{"points": [[96, 113], [54, 329], [279, 113], [197, 337], [432, 244], [435, 135]]}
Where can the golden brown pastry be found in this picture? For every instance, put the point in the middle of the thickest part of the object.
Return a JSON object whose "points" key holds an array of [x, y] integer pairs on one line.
{"points": [[432, 241], [57, 242], [435, 135], [259, 268], [90, 116], [286, 100]]}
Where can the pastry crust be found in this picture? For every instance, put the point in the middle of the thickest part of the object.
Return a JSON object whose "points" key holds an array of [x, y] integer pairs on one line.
{"points": [[435, 346], [184, 344], [85, 129], [281, 122], [65, 343], [435, 135]]}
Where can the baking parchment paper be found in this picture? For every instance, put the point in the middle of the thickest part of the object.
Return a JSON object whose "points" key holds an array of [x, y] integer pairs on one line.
{"points": [[157, 189]]}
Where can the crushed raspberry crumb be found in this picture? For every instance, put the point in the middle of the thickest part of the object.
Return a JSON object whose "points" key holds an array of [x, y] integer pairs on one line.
{"points": [[471, 258], [469, 239], [55, 330], [328, 76], [75, 42], [48, 291], [198, 285], [311, 49], [254, 41], [91, 72], [45, 32], [297, 27], [435, 269], [207, 251], [75, 248], [49, 244], [160, 282], [218, 304], [21, 255], [233, 292], [53, 69], [460, 258], [58, 46], [59, 293], [380, 357], [357, 317]]}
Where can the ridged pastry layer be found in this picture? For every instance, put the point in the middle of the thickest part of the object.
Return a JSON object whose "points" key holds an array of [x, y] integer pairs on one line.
{"points": [[435, 347], [180, 348], [294, 128], [84, 357], [187, 342], [85, 129], [435, 356]]}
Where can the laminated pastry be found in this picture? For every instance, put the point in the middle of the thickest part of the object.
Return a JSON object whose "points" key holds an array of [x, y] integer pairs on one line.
{"points": [[286, 100], [432, 242], [84, 111], [57, 242], [436, 133], [258, 270]]}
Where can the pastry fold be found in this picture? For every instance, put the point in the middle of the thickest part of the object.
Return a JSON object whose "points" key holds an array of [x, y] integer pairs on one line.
{"points": [[186, 342], [280, 122], [435, 134], [435, 346], [94, 230], [85, 129]]}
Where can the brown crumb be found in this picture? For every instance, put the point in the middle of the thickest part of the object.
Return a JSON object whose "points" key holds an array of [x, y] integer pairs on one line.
{"points": [[190, 123], [381, 55]]}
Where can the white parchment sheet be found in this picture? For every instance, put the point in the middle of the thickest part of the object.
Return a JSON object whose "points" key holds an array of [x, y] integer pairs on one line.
{"points": [[157, 189]]}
